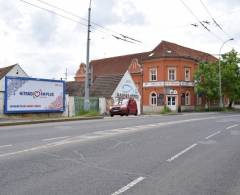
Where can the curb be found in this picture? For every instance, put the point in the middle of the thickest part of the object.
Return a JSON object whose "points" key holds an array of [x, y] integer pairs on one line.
{"points": [[48, 121]]}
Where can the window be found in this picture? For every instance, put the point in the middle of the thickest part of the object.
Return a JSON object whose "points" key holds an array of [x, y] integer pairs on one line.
{"points": [[153, 74], [171, 74], [187, 74], [187, 98], [153, 99]]}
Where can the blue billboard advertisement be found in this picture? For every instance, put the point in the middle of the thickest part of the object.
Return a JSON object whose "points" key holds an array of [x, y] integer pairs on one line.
{"points": [[33, 95]]}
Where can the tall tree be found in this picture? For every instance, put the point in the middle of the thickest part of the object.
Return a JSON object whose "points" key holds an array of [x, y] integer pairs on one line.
{"points": [[231, 76], [207, 81]]}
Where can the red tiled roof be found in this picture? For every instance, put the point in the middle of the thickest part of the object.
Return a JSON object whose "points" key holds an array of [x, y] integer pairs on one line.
{"points": [[115, 65], [5, 70], [168, 49], [120, 64]]}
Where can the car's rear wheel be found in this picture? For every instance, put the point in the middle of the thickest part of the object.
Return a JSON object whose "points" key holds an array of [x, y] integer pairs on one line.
{"points": [[127, 113], [111, 115], [136, 113]]}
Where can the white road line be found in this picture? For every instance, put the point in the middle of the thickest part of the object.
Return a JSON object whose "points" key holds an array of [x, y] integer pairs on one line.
{"points": [[127, 187], [230, 127], [181, 153], [55, 138], [216, 133], [5, 146], [100, 135]]}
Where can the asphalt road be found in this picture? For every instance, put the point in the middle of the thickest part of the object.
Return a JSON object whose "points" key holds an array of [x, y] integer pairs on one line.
{"points": [[147, 155]]}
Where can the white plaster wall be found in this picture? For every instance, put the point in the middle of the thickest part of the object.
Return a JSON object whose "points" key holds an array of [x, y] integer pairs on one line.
{"points": [[102, 105], [1, 103], [15, 71], [152, 109]]}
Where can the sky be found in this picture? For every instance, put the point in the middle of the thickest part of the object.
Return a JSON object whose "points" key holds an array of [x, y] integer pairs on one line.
{"points": [[47, 43]]}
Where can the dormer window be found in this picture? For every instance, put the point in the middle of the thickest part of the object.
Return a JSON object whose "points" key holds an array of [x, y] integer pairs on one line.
{"points": [[151, 54]]}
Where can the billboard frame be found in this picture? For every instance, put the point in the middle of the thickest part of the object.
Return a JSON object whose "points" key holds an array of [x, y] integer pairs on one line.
{"points": [[33, 111]]}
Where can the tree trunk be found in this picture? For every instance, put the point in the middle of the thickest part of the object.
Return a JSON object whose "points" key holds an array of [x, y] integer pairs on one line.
{"points": [[230, 104]]}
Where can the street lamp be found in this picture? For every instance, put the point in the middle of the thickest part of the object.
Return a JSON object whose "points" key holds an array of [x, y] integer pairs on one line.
{"points": [[220, 74]]}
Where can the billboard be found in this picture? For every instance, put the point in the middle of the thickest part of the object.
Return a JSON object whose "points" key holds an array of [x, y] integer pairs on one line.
{"points": [[32, 95]]}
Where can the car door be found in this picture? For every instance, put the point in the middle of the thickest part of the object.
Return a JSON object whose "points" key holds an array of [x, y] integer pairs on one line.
{"points": [[130, 106]]}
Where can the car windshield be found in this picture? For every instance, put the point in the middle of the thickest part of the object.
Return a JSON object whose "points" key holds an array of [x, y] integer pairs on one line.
{"points": [[121, 102]]}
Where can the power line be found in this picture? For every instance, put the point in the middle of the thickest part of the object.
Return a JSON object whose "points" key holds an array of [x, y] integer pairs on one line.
{"points": [[195, 15], [214, 20], [68, 18], [200, 22], [52, 12], [82, 18]]}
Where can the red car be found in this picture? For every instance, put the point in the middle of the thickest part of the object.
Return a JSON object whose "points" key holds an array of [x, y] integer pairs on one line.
{"points": [[124, 107]]}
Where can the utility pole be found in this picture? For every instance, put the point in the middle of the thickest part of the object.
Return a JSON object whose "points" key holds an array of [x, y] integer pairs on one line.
{"points": [[86, 97]]}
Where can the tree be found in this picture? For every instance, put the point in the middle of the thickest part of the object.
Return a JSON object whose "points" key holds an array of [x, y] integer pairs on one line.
{"points": [[231, 76], [206, 78]]}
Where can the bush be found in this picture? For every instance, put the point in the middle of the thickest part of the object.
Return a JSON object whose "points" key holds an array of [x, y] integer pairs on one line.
{"points": [[165, 110], [88, 113]]}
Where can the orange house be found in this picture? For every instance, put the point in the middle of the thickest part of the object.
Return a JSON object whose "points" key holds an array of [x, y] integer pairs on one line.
{"points": [[163, 76]]}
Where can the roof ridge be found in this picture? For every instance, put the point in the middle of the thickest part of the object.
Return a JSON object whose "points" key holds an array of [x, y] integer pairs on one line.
{"points": [[121, 56], [176, 44]]}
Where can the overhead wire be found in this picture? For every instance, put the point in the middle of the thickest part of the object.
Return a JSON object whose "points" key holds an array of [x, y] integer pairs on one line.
{"points": [[92, 23], [214, 20], [200, 22], [73, 20], [53, 12]]}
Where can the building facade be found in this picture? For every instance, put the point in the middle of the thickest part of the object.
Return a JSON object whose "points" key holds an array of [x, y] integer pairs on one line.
{"points": [[168, 82], [163, 76]]}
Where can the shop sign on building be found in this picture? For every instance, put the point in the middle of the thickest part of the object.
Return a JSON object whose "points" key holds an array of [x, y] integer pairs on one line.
{"points": [[127, 89]]}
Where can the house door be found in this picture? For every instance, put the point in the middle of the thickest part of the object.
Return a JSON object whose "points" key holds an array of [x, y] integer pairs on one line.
{"points": [[171, 102]]}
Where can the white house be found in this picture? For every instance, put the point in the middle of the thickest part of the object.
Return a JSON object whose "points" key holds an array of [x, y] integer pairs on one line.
{"points": [[14, 70]]}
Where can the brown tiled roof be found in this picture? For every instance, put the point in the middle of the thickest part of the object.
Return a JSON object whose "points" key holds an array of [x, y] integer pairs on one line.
{"points": [[167, 49], [105, 85], [75, 88], [115, 65], [120, 64], [5, 70]]}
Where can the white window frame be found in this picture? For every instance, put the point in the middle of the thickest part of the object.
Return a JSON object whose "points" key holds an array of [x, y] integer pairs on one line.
{"points": [[189, 76], [151, 75], [151, 99], [187, 98], [175, 75]]}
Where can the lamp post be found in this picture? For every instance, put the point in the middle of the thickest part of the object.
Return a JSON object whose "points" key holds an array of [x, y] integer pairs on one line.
{"points": [[86, 96], [220, 74]]}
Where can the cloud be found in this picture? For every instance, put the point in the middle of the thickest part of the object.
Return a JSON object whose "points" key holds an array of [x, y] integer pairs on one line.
{"points": [[44, 27], [10, 14], [224, 4], [111, 12]]}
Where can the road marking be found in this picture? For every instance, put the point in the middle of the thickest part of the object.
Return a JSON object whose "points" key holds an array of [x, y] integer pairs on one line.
{"points": [[5, 146], [98, 135], [181, 153], [127, 187], [230, 127], [55, 138], [216, 133]]}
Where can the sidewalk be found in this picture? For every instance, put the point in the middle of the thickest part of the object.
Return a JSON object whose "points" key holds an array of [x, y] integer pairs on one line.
{"points": [[26, 121]]}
